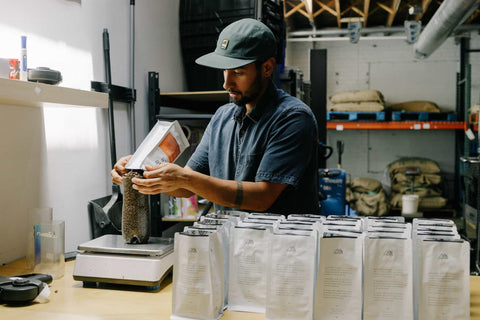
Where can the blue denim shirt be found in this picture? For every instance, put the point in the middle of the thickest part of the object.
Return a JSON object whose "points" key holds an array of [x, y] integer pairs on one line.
{"points": [[276, 142]]}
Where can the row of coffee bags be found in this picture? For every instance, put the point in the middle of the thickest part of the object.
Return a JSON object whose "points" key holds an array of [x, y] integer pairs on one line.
{"points": [[315, 267]]}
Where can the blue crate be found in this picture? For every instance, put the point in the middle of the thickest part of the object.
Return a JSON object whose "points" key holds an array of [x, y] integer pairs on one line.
{"points": [[355, 116], [423, 116]]}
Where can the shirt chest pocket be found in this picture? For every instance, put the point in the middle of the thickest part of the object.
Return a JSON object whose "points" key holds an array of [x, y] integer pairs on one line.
{"points": [[247, 166]]}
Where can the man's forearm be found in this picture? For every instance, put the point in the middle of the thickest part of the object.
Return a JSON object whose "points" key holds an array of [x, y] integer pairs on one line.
{"points": [[257, 196], [180, 193]]}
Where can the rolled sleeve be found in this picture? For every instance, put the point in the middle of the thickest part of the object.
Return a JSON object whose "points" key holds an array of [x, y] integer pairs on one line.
{"points": [[199, 159], [289, 149]]}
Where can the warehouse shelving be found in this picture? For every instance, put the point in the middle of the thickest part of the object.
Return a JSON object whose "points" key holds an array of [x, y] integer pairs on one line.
{"points": [[201, 105], [397, 125]]}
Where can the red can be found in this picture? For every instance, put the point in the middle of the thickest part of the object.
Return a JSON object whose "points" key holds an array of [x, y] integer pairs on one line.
{"points": [[14, 69]]}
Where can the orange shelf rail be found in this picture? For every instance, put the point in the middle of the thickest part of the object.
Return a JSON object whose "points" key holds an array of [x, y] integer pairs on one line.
{"points": [[397, 125]]}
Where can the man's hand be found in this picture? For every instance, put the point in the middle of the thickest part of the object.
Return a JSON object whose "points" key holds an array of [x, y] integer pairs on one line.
{"points": [[119, 170], [165, 178]]}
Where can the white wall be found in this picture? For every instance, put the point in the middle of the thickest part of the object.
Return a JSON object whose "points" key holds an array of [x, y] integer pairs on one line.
{"points": [[70, 161], [389, 66]]}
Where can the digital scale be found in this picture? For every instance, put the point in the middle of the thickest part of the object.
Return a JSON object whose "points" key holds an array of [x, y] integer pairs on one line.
{"points": [[108, 259]]}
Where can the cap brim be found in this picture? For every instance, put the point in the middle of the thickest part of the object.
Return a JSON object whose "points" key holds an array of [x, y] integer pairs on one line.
{"points": [[214, 60]]}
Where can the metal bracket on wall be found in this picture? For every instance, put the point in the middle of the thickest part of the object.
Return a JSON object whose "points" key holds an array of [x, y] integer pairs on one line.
{"points": [[118, 93]]}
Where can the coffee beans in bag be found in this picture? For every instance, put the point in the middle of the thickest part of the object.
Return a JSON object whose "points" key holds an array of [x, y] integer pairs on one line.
{"points": [[135, 212]]}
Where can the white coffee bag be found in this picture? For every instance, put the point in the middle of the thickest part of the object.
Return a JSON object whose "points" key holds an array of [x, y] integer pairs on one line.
{"points": [[443, 286], [198, 277], [291, 276], [388, 292], [338, 293], [248, 267]]}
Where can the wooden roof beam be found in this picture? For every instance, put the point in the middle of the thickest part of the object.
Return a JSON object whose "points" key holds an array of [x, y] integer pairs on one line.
{"points": [[473, 16], [325, 7], [309, 7], [391, 16], [350, 7], [339, 15], [360, 12], [392, 11], [384, 7], [295, 8]]}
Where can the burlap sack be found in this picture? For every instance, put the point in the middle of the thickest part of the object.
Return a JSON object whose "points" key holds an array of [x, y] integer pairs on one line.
{"points": [[427, 179], [371, 204], [432, 202], [418, 190], [366, 196], [426, 165], [427, 202], [416, 106], [364, 185], [368, 106], [357, 96]]}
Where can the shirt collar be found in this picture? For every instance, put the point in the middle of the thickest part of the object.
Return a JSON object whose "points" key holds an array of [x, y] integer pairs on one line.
{"points": [[266, 101]]}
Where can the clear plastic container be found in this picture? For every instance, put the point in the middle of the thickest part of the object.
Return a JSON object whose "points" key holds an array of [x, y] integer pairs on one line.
{"points": [[50, 243], [35, 217]]}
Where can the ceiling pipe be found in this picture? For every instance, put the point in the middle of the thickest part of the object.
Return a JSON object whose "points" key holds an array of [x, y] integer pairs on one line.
{"points": [[331, 39], [365, 31], [342, 32], [450, 15]]}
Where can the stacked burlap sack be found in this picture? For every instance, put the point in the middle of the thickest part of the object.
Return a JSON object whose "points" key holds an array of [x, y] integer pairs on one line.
{"points": [[367, 197], [359, 101], [415, 106], [427, 185]]}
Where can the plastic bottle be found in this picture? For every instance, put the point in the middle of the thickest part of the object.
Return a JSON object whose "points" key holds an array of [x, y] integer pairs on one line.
{"points": [[23, 66]]}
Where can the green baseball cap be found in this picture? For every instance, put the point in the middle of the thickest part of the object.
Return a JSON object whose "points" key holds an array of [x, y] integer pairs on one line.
{"points": [[240, 43]]}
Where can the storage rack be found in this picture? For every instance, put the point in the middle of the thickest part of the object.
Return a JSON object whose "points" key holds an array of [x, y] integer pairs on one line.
{"points": [[201, 106], [201, 23], [397, 125]]}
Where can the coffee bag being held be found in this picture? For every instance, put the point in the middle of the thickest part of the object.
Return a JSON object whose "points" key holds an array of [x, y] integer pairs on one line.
{"points": [[164, 143]]}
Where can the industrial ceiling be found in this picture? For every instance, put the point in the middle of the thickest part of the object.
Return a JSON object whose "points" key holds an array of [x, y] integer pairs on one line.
{"points": [[321, 14]]}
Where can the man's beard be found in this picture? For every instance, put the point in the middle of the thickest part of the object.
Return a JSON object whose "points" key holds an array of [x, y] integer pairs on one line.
{"points": [[251, 94]]}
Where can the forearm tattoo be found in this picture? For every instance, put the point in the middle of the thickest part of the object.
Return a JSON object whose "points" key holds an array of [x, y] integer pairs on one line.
{"points": [[239, 196]]}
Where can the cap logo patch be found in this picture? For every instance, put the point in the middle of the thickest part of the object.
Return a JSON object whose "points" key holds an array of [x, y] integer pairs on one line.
{"points": [[224, 44]]}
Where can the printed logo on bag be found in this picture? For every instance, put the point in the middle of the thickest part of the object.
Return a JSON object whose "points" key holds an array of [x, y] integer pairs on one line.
{"points": [[249, 244], [192, 251], [338, 251], [388, 253], [224, 44], [291, 251], [443, 256]]}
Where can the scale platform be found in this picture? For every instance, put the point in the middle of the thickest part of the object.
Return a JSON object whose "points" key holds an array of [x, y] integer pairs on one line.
{"points": [[108, 259]]}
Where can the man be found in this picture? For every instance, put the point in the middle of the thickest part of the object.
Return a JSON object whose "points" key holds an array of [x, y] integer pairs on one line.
{"points": [[258, 153]]}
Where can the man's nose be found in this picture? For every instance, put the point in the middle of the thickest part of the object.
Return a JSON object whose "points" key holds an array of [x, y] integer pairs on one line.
{"points": [[228, 81]]}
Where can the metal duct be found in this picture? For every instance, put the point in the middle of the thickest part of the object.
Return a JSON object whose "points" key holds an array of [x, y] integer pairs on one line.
{"points": [[449, 15], [308, 34]]}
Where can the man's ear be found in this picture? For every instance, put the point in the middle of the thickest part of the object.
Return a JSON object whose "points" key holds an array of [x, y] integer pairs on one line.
{"points": [[268, 67]]}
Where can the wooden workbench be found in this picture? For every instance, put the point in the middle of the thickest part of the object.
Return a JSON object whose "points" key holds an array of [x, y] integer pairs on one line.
{"points": [[70, 300]]}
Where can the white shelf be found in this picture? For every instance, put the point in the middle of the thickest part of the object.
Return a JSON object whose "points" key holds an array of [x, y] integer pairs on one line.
{"points": [[31, 94]]}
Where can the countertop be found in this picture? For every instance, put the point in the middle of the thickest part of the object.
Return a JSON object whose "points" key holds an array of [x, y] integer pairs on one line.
{"points": [[70, 300]]}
